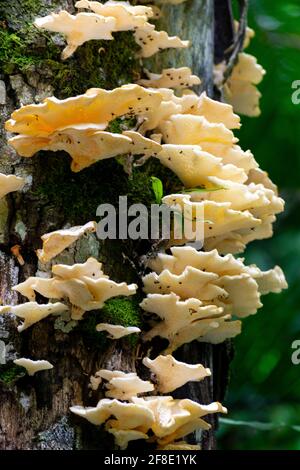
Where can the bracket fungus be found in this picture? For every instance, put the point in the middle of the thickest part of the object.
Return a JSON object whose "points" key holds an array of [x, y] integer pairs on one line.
{"points": [[32, 367], [190, 295], [227, 219], [9, 184], [240, 283], [183, 321], [84, 286], [117, 331], [178, 79], [91, 268], [124, 386], [216, 112], [161, 419], [193, 129], [100, 107], [218, 218], [32, 312], [195, 293], [122, 438], [105, 19], [62, 125], [127, 415], [171, 374], [77, 28], [127, 16], [240, 89], [56, 242], [194, 167]]}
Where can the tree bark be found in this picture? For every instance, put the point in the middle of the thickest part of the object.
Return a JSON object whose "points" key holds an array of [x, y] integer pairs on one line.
{"points": [[34, 411]]}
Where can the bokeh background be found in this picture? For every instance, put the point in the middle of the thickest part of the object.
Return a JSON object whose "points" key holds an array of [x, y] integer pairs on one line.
{"points": [[264, 393]]}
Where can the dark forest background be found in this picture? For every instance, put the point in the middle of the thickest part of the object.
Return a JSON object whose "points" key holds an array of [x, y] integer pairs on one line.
{"points": [[263, 397]]}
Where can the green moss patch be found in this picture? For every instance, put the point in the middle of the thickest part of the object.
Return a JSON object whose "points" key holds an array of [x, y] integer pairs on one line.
{"points": [[123, 311], [10, 373]]}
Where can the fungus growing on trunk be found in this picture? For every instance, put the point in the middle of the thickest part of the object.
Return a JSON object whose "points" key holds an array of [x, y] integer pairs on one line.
{"points": [[240, 283], [219, 218], [162, 419], [170, 78], [84, 286], [117, 331], [183, 321], [32, 367], [191, 295], [32, 312], [77, 28], [240, 89], [194, 167], [9, 184], [124, 386], [122, 438], [171, 374], [127, 16], [56, 242], [61, 125], [107, 18]]}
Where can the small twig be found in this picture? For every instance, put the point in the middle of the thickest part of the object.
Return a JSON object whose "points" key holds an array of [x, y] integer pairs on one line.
{"points": [[239, 39]]}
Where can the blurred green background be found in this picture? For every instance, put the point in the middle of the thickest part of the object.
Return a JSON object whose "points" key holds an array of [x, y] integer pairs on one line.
{"points": [[264, 393]]}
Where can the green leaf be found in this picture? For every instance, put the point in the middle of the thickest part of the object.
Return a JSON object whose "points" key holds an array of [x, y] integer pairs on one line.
{"points": [[157, 188]]}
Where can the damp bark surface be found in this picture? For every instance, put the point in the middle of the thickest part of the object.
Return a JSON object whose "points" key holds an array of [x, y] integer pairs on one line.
{"points": [[34, 411]]}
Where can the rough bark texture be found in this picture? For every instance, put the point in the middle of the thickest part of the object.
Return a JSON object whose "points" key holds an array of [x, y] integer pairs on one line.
{"points": [[34, 411]]}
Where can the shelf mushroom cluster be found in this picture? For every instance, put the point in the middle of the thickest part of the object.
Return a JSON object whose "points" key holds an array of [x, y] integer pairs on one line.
{"points": [[238, 200], [102, 20], [240, 90], [191, 135], [195, 294], [162, 420], [84, 286]]}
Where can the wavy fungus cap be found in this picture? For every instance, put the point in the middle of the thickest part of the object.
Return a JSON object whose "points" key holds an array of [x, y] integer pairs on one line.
{"points": [[9, 184], [171, 374], [166, 418], [117, 331], [178, 79], [84, 286], [97, 108], [194, 167], [77, 28], [184, 321], [32, 367], [242, 285], [127, 16], [152, 41], [32, 312], [124, 386], [56, 242]]}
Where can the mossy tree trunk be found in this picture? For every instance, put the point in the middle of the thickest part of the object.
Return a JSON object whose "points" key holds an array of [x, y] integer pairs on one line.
{"points": [[34, 410]]}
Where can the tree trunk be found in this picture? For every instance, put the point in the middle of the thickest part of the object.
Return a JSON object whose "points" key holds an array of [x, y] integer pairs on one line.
{"points": [[34, 411]]}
